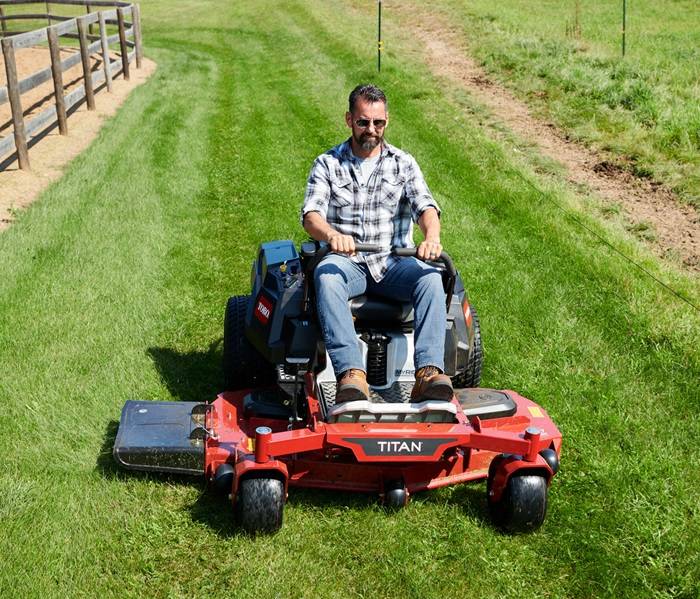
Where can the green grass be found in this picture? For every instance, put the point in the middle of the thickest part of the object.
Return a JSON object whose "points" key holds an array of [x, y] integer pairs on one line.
{"points": [[113, 287], [644, 110]]}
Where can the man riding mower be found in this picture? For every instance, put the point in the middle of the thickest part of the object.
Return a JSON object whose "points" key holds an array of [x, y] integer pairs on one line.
{"points": [[354, 364]]}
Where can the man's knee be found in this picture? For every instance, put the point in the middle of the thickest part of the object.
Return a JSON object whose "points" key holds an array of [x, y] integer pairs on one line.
{"points": [[328, 278], [431, 284]]}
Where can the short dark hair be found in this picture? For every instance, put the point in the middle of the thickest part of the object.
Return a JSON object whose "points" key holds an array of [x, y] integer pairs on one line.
{"points": [[367, 91]]}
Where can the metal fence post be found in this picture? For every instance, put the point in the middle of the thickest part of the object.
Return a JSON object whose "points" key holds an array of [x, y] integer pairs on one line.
{"points": [[624, 26], [380, 44]]}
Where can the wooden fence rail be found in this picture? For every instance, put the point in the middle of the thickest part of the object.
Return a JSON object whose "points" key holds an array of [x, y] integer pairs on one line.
{"points": [[124, 15]]}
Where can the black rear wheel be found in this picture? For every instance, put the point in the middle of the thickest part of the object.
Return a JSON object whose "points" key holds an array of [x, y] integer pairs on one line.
{"points": [[260, 505], [243, 366], [471, 377]]}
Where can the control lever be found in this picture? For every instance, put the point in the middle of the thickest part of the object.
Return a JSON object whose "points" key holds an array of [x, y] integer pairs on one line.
{"points": [[300, 367]]}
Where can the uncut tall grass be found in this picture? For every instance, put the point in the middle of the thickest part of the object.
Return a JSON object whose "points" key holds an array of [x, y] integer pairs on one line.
{"points": [[641, 109]]}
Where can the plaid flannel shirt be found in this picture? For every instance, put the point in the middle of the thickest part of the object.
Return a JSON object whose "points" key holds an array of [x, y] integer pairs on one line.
{"points": [[382, 211]]}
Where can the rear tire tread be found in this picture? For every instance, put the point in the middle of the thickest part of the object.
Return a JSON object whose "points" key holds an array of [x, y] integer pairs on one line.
{"points": [[243, 366], [471, 377]]}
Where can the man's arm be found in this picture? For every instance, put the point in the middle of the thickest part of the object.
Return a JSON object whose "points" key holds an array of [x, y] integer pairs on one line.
{"points": [[316, 226], [429, 223], [425, 211], [313, 212]]}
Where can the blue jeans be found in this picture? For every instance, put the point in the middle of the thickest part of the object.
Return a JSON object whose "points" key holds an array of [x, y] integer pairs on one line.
{"points": [[338, 279]]}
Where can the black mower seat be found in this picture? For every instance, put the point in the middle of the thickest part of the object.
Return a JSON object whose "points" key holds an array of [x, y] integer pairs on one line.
{"points": [[380, 310]]}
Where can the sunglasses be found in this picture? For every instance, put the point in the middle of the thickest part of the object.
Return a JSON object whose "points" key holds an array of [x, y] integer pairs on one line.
{"points": [[364, 123]]}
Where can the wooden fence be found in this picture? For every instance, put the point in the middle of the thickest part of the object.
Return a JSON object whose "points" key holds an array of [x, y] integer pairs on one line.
{"points": [[124, 15]]}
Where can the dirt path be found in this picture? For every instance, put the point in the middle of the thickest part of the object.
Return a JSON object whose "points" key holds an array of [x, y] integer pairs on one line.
{"points": [[676, 226], [50, 155]]}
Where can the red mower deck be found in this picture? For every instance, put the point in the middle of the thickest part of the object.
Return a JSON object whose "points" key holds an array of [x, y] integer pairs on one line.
{"points": [[227, 442]]}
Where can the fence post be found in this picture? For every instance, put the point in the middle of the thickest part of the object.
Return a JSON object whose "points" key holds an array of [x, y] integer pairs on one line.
{"points": [[48, 12], [88, 10], [3, 25], [8, 51], [624, 25], [138, 40], [122, 44], [57, 72], [105, 51], [85, 57]]}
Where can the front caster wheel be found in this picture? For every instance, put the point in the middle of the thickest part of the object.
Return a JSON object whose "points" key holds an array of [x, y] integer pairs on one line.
{"points": [[396, 496], [223, 478], [523, 504], [260, 505]]}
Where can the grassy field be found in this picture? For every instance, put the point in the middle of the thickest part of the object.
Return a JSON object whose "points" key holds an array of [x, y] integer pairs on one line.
{"points": [[644, 109], [113, 287]]}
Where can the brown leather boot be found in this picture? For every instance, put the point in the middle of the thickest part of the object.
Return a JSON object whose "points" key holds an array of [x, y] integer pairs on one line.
{"points": [[352, 386], [431, 384]]}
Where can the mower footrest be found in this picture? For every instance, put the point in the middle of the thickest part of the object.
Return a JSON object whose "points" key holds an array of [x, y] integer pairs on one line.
{"points": [[367, 411], [162, 436], [399, 392]]}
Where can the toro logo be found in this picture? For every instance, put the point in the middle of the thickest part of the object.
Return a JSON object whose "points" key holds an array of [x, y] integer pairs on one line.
{"points": [[263, 309]]}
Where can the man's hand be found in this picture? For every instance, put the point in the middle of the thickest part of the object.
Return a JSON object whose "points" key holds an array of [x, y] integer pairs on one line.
{"points": [[429, 223], [341, 244], [430, 249], [320, 230]]}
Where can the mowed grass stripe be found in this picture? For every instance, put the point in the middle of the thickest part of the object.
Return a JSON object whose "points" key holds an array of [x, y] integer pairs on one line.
{"points": [[558, 324], [74, 333]]}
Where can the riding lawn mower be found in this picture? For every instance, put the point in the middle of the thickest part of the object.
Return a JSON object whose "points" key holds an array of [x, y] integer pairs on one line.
{"points": [[276, 425]]}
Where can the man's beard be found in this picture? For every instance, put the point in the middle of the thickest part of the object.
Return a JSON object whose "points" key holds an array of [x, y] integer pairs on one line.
{"points": [[367, 141]]}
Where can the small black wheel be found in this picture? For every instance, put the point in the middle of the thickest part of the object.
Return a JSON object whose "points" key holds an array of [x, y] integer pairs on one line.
{"points": [[396, 497], [523, 504], [223, 478], [243, 366], [260, 505], [471, 376]]}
